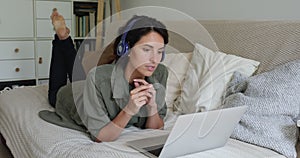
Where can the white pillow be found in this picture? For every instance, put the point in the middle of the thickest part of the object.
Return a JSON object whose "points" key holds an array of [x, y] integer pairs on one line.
{"points": [[177, 64], [207, 78]]}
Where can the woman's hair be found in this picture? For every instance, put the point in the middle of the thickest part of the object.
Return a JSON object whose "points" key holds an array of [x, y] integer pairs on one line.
{"points": [[137, 27]]}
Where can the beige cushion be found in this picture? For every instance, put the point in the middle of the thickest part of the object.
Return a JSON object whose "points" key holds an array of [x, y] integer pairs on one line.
{"points": [[177, 64], [207, 77]]}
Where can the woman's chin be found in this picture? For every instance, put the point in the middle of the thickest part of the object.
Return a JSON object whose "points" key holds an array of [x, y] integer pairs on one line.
{"points": [[148, 73]]}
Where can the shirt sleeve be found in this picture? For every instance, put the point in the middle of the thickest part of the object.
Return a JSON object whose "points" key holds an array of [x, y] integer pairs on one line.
{"points": [[94, 115]]}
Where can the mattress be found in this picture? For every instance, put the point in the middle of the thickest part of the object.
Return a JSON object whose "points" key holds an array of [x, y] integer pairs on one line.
{"points": [[29, 136]]}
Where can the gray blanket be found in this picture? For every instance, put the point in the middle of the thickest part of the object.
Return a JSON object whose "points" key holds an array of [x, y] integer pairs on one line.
{"points": [[273, 100]]}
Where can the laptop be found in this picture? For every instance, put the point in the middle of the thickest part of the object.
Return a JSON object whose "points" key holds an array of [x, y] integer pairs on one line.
{"points": [[192, 133]]}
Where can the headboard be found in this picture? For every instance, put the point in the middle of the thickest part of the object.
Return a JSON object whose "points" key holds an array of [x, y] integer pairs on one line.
{"points": [[270, 42]]}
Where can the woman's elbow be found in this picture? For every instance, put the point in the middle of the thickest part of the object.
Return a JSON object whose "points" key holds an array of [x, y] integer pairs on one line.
{"points": [[109, 139]]}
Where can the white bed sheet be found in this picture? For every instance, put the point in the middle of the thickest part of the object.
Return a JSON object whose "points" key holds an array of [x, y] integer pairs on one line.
{"points": [[29, 136]]}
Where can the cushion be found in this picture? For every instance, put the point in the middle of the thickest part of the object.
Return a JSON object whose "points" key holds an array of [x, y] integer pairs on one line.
{"points": [[177, 64], [207, 77], [273, 103]]}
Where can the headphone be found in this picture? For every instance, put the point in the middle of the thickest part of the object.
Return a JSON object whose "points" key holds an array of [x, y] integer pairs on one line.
{"points": [[123, 47]]}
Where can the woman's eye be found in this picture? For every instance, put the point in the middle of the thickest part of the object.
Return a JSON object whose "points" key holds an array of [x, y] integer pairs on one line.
{"points": [[146, 49], [160, 52]]}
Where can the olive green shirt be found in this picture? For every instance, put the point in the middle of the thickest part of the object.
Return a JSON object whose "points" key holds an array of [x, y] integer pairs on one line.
{"points": [[91, 104]]}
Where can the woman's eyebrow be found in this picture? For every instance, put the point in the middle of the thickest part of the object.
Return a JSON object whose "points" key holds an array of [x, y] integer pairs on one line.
{"points": [[162, 48], [148, 45]]}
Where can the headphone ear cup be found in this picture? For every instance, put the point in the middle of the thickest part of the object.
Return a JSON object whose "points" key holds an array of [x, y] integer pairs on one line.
{"points": [[122, 49]]}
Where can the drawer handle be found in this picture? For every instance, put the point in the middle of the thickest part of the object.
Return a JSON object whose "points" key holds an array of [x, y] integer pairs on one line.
{"points": [[17, 69], [17, 50], [40, 60]]}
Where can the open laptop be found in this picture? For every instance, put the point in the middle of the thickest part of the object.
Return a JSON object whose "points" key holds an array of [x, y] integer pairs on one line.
{"points": [[192, 133]]}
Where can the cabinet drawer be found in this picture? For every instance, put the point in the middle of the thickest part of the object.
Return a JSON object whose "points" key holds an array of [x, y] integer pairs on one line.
{"points": [[16, 50], [16, 18], [44, 9], [17, 69], [44, 51], [45, 28]]}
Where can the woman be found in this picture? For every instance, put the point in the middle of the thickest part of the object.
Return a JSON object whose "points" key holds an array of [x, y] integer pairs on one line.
{"points": [[116, 96]]}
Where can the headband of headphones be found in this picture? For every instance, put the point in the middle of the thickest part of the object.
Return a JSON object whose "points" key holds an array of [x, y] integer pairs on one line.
{"points": [[123, 47]]}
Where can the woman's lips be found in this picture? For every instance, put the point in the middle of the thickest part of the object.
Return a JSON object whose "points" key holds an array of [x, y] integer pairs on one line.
{"points": [[150, 68]]}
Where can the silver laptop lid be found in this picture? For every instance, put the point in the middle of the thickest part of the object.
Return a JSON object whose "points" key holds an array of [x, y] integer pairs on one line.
{"points": [[201, 131]]}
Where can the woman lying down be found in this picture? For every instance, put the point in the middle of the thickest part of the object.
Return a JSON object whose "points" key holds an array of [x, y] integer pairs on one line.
{"points": [[128, 92]]}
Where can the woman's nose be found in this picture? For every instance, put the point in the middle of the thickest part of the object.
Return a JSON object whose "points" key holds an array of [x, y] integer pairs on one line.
{"points": [[155, 57]]}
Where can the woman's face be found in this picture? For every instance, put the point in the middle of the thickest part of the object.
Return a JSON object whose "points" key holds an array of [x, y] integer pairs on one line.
{"points": [[146, 54]]}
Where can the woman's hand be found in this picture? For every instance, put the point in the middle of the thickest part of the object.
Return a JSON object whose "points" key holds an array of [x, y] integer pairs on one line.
{"points": [[139, 97], [153, 121], [150, 94]]}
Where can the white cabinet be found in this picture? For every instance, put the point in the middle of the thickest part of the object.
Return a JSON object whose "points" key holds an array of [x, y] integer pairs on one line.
{"points": [[16, 50], [44, 51], [26, 37], [45, 32], [17, 69], [45, 28], [43, 11], [16, 18], [17, 60]]}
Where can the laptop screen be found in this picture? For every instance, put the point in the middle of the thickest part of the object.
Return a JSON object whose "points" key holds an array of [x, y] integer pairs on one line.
{"points": [[155, 150]]}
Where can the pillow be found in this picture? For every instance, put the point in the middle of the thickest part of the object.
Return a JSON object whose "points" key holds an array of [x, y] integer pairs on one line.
{"points": [[273, 107], [177, 64], [207, 77]]}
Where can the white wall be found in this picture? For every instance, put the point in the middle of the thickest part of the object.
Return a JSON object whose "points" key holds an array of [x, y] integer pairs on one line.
{"points": [[227, 9]]}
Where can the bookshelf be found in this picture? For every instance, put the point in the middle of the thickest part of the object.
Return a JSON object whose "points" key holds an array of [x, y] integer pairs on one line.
{"points": [[85, 21]]}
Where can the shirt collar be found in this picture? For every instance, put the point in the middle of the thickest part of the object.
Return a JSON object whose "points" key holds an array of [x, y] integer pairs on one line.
{"points": [[119, 84]]}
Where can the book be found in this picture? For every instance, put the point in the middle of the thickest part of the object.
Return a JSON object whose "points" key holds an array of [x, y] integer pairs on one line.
{"points": [[87, 28], [92, 24]]}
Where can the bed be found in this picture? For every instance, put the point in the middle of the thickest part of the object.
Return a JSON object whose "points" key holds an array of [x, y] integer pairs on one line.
{"points": [[27, 135]]}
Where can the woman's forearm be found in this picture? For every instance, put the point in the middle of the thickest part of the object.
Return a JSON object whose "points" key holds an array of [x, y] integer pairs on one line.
{"points": [[154, 121], [112, 130]]}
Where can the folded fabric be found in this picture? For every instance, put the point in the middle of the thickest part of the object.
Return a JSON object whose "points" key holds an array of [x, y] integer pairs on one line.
{"points": [[273, 107], [207, 76], [177, 64]]}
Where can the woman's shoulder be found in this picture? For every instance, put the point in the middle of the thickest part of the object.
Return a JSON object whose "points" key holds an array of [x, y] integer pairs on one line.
{"points": [[101, 72], [105, 67]]}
